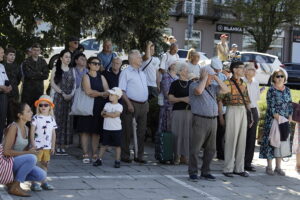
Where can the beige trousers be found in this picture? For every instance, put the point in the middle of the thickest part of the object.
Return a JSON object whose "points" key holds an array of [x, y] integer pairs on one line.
{"points": [[235, 138]]}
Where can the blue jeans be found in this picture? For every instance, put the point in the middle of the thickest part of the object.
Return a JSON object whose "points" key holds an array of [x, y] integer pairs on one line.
{"points": [[25, 169]]}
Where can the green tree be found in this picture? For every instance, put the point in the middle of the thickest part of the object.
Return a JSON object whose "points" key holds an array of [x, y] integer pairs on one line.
{"points": [[261, 18]]}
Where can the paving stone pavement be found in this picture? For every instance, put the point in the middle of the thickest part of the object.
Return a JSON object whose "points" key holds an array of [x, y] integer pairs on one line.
{"points": [[74, 180]]}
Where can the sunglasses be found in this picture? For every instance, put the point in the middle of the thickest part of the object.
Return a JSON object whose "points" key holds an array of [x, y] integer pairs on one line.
{"points": [[280, 76], [44, 105], [95, 63]]}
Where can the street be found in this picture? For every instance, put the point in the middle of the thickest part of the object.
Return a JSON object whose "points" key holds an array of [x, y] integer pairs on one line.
{"points": [[76, 181]]}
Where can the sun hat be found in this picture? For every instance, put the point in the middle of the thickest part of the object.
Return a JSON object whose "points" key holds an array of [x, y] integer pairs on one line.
{"points": [[234, 46], [117, 91], [46, 98]]}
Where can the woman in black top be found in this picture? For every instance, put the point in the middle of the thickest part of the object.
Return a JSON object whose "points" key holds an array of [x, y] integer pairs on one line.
{"points": [[182, 116]]}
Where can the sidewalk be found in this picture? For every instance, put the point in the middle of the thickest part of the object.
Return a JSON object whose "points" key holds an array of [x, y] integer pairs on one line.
{"points": [[76, 181]]}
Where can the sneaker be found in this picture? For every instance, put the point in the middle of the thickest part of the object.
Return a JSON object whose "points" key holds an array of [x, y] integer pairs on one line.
{"points": [[269, 171], [58, 151], [98, 162], [208, 177], [35, 187], [279, 171], [47, 186], [63, 151], [243, 174], [194, 178], [86, 160], [117, 164]]}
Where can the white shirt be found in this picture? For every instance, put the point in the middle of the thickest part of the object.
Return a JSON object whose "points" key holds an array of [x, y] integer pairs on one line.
{"points": [[168, 59], [195, 69], [151, 70], [3, 75], [112, 124], [253, 91], [134, 83], [44, 125]]}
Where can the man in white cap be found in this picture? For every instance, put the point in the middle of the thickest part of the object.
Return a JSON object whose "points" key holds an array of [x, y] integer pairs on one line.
{"points": [[204, 107], [217, 66]]}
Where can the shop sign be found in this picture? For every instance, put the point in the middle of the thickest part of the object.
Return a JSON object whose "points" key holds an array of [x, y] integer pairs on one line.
{"points": [[229, 28]]}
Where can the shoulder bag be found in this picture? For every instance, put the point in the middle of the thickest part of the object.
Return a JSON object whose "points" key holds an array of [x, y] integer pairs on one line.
{"points": [[249, 114], [82, 104]]}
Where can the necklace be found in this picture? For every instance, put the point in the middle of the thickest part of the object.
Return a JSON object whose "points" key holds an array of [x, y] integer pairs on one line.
{"points": [[183, 86]]}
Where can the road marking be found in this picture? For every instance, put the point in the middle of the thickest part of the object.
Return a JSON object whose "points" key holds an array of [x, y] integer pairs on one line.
{"points": [[184, 184]]}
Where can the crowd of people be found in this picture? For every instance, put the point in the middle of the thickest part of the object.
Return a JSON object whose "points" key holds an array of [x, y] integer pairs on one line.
{"points": [[206, 108]]}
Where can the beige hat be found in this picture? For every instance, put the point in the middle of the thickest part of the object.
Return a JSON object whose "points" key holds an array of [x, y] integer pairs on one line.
{"points": [[117, 91]]}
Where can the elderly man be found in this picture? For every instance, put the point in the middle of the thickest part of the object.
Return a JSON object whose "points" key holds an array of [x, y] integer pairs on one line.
{"points": [[217, 66], [35, 71], [254, 94], [112, 74], [151, 66], [205, 112], [133, 82], [236, 123], [106, 55]]}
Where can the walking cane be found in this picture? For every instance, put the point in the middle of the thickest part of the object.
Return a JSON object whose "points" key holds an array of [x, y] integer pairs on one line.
{"points": [[135, 138]]}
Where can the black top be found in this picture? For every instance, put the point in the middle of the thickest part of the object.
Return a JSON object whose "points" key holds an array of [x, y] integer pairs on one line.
{"points": [[180, 89], [111, 78]]}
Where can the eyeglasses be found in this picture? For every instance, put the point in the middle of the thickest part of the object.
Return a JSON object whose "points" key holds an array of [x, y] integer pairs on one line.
{"points": [[279, 76], [95, 63], [44, 105]]}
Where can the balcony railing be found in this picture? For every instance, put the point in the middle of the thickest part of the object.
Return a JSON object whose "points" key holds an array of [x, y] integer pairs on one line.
{"points": [[202, 10]]}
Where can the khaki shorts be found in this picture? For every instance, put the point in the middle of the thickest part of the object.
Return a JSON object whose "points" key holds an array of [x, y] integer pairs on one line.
{"points": [[44, 155]]}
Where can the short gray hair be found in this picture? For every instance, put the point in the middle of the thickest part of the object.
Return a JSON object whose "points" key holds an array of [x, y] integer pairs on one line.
{"points": [[117, 58], [180, 66], [132, 53]]}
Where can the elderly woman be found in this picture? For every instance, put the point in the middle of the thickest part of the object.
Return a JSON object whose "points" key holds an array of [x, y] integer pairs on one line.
{"points": [[279, 103], [16, 145], [165, 114], [181, 116]]}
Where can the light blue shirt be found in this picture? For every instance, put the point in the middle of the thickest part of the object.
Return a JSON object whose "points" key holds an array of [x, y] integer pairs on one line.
{"points": [[106, 59], [134, 83]]}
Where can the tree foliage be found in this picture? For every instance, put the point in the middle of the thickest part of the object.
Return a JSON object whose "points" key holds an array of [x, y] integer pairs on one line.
{"points": [[129, 23], [261, 18]]}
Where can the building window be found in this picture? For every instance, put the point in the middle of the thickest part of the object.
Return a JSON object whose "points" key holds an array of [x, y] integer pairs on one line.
{"points": [[194, 41]]}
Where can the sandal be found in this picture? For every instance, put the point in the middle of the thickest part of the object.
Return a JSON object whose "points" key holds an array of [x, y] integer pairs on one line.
{"points": [[269, 171], [35, 187], [47, 186], [86, 159], [279, 171]]}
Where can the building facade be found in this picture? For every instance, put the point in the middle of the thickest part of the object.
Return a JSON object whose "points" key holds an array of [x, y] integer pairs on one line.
{"points": [[211, 19]]}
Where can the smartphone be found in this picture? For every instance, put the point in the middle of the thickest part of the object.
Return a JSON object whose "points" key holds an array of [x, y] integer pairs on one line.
{"points": [[6, 83]]}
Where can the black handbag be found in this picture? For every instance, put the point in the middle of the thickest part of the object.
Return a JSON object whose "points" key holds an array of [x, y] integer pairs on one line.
{"points": [[249, 114], [284, 129]]}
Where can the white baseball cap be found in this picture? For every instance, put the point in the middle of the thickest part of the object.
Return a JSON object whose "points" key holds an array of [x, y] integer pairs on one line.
{"points": [[216, 63], [117, 91]]}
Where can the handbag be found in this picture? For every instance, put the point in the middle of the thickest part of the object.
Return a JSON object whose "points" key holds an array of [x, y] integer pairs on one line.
{"points": [[6, 168], [296, 112], [284, 150], [82, 104], [249, 114]]}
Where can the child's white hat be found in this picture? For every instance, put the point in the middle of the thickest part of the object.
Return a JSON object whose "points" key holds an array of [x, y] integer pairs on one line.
{"points": [[117, 91]]}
